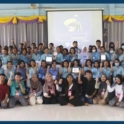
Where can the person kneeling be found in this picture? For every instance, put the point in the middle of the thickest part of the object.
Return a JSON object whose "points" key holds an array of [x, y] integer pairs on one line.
{"points": [[35, 90], [118, 87], [102, 91], [49, 90], [4, 91], [17, 90], [71, 96]]}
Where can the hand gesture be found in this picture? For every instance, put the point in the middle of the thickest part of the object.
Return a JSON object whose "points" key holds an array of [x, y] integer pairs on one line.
{"points": [[101, 65], [12, 40], [107, 82], [11, 73], [111, 63], [48, 67], [60, 81], [97, 79], [55, 82]]}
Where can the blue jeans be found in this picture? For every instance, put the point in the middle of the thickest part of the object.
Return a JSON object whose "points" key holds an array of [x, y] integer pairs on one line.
{"points": [[3, 105], [87, 100]]}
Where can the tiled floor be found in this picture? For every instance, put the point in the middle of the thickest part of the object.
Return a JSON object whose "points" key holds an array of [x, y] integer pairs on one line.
{"points": [[65, 113]]}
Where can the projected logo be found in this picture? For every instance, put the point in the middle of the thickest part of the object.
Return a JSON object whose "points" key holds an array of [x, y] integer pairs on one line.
{"points": [[73, 25]]}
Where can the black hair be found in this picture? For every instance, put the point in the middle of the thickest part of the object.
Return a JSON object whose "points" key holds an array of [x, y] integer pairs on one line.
{"points": [[3, 75], [19, 62], [120, 77], [87, 61], [40, 44], [9, 62], [111, 44], [51, 44], [88, 71], [75, 42], [98, 41], [95, 48], [97, 62], [65, 50], [18, 74], [64, 62], [106, 61], [73, 49], [77, 62], [53, 61]]}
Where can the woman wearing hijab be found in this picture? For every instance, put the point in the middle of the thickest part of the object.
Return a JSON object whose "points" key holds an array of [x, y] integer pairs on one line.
{"points": [[35, 90], [118, 87], [83, 56], [71, 95], [49, 90], [102, 91]]}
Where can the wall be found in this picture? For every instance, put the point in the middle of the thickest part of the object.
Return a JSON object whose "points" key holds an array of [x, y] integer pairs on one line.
{"points": [[24, 9]]}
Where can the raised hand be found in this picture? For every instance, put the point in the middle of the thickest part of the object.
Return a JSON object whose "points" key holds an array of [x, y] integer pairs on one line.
{"points": [[107, 82], [55, 82], [60, 81], [97, 79], [111, 63]]}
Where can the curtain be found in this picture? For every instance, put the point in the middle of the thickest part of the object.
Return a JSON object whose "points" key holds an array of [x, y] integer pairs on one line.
{"points": [[33, 32], [37, 32], [115, 32]]}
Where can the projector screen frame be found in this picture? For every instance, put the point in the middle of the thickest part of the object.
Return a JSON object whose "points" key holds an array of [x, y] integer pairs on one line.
{"points": [[86, 9]]}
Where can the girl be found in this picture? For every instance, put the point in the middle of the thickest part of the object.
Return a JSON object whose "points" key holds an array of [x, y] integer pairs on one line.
{"points": [[118, 87], [75, 65], [83, 56], [65, 70], [35, 90], [65, 54], [117, 69], [121, 56], [102, 91], [33, 68], [54, 71], [35, 55], [103, 52], [42, 72], [59, 56], [105, 70], [10, 68], [22, 70], [96, 70], [72, 54], [49, 90], [5, 57], [111, 45], [1, 69], [71, 96], [88, 65], [95, 55], [112, 54], [24, 56], [14, 57]]}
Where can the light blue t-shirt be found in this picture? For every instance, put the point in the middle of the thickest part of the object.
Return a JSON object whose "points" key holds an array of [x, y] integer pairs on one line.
{"points": [[41, 72], [36, 57], [31, 71], [26, 58], [5, 59], [107, 72], [95, 56], [112, 57], [96, 72], [73, 57], [64, 72], [54, 73], [65, 57], [1, 70], [59, 58], [43, 56], [14, 59], [118, 70]]}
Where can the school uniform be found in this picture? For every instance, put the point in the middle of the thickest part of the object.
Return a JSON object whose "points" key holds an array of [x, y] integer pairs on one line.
{"points": [[40, 52], [112, 56], [41, 74], [43, 56], [95, 56], [121, 59], [55, 73], [31, 71], [118, 70], [88, 88], [16, 95], [107, 72], [5, 59], [36, 57], [70, 91], [1, 70], [119, 94], [14, 59], [64, 72], [77, 49], [96, 72], [23, 72], [73, 57], [25, 58], [59, 58], [66, 57]]}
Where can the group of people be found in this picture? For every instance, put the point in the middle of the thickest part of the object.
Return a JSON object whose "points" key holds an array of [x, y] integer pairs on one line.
{"points": [[49, 75]]}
